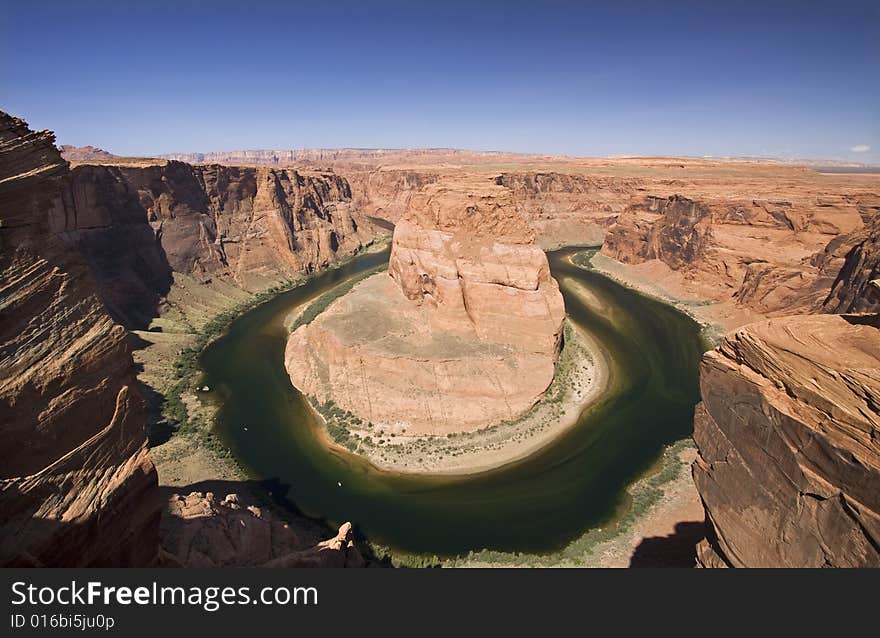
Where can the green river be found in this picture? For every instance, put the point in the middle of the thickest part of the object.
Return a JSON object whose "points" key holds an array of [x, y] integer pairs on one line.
{"points": [[535, 505]]}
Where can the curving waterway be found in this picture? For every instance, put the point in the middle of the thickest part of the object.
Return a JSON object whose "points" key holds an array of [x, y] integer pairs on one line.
{"points": [[535, 505]]}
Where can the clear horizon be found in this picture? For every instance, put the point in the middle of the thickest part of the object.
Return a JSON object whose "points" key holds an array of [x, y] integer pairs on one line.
{"points": [[774, 79]]}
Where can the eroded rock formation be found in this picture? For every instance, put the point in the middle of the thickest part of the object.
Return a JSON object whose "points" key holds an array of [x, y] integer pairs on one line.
{"points": [[84, 153], [78, 485], [770, 257], [200, 530], [464, 333], [251, 227], [565, 208], [859, 252], [789, 440]]}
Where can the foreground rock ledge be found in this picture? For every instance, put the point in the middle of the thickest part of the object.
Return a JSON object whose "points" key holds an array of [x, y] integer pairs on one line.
{"points": [[789, 440], [465, 332]]}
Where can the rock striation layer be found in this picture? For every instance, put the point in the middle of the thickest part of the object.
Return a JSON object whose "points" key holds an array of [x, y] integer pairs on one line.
{"points": [[78, 486], [464, 332], [854, 287], [250, 227], [788, 433], [768, 257]]}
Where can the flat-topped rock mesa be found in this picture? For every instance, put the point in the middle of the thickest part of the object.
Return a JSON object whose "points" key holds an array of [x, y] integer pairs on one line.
{"points": [[789, 439], [465, 251], [464, 333], [248, 228], [78, 486]]}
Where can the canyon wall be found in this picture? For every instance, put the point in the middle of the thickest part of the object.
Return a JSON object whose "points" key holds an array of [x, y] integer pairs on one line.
{"points": [[569, 209], [464, 332], [789, 423], [81, 247], [250, 227], [78, 485], [788, 433], [769, 257], [855, 258]]}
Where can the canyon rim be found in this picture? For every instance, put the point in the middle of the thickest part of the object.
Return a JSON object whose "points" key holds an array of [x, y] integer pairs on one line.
{"points": [[123, 269]]}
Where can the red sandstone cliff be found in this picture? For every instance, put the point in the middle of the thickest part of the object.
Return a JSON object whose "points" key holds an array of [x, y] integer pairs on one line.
{"points": [[78, 485], [771, 257], [789, 423], [252, 227], [789, 440]]}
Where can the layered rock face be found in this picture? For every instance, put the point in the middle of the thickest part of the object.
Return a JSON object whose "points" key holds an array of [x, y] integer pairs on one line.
{"points": [[78, 485], [386, 193], [770, 257], [464, 333], [566, 209], [853, 287], [789, 440], [251, 227]]}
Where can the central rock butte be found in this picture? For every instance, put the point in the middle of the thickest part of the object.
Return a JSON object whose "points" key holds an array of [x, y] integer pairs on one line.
{"points": [[462, 332]]}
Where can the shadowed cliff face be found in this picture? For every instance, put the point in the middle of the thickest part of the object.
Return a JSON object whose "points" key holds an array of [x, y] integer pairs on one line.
{"points": [[677, 231], [853, 290], [789, 440], [252, 227], [78, 486]]}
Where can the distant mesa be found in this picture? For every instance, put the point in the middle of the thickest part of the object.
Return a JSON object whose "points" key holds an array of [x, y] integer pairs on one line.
{"points": [[85, 153]]}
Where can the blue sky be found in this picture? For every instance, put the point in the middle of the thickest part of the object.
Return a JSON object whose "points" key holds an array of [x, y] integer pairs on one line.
{"points": [[797, 79]]}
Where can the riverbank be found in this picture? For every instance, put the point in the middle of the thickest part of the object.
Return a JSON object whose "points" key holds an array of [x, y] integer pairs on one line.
{"points": [[184, 448], [715, 318], [659, 525], [583, 374], [525, 505]]}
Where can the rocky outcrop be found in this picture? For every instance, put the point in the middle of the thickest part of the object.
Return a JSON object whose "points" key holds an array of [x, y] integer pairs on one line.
{"points": [[675, 230], [852, 289], [385, 193], [200, 530], [85, 153], [771, 257], [249, 227], [464, 333], [789, 439], [566, 208], [78, 486]]}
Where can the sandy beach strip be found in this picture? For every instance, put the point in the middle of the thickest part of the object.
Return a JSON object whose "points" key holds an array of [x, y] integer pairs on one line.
{"points": [[583, 376]]}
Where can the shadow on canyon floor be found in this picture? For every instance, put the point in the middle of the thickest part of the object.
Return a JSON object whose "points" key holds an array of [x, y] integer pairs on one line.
{"points": [[675, 550]]}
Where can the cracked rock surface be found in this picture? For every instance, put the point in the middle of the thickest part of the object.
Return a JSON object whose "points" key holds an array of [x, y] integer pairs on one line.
{"points": [[789, 439]]}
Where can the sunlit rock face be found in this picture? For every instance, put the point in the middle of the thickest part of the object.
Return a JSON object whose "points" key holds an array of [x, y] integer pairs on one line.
{"points": [[789, 439], [463, 331]]}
